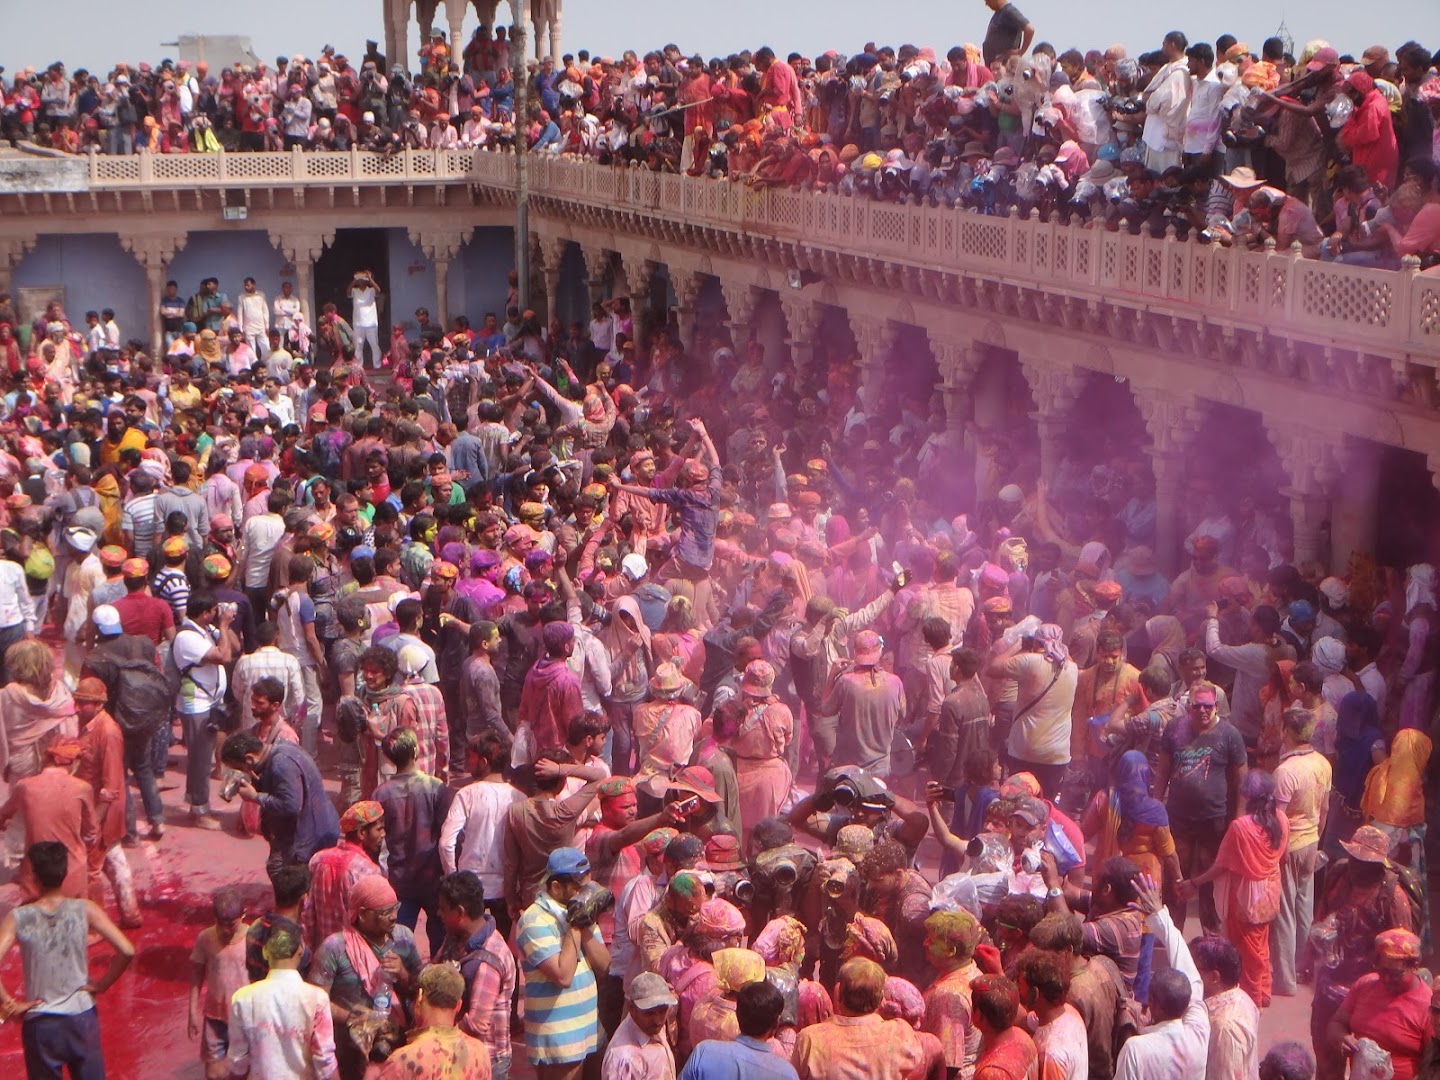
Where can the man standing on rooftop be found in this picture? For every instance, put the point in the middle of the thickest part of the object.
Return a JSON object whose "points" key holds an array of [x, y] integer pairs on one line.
{"points": [[1009, 33]]}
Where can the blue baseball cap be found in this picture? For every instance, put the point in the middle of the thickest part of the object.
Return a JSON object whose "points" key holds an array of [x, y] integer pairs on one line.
{"points": [[1301, 611], [567, 862]]}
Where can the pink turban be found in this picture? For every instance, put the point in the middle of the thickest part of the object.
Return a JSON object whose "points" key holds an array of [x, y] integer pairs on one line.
{"points": [[782, 941], [902, 1001], [371, 893], [719, 919], [871, 939]]}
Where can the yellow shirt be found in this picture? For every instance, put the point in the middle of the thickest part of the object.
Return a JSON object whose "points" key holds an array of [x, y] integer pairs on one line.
{"points": [[1302, 784]]}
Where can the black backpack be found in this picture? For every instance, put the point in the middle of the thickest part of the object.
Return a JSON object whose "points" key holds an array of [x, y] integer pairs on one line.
{"points": [[142, 697]]}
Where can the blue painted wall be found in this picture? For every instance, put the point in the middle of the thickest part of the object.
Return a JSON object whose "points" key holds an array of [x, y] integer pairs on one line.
{"points": [[477, 277], [231, 256], [95, 272]]}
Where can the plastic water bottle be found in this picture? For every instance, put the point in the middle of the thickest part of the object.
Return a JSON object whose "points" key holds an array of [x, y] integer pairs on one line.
{"points": [[382, 999]]}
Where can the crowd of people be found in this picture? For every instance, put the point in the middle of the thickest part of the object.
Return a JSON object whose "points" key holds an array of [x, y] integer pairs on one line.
{"points": [[686, 713], [1225, 142]]}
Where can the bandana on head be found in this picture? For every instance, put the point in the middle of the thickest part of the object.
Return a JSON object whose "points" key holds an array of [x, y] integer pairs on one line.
{"points": [[719, 919], [361, 814]]}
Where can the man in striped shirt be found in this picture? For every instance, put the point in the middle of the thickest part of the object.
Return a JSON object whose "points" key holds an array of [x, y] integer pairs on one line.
{"points": [[562, 1023]]}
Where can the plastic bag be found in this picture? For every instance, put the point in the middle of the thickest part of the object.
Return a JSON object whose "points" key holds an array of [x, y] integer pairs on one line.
{"points": [[522, 751], [1369, 1062]]}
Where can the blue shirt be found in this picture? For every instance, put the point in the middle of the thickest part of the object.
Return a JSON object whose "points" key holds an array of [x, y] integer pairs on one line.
{"points": [[296, 815], [698, 520], [743, 1059]]}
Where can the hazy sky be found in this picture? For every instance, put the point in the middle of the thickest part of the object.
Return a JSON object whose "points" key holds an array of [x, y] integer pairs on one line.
{"points": [[103, 31]]}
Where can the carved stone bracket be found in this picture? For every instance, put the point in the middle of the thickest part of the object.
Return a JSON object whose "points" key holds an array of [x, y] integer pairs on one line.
{"points": [[740, 301], [303, 248], [153, 251], [1054, 387], [802, 318], [438, 245], [1172, 419], [639, 273], [1312, 460]]}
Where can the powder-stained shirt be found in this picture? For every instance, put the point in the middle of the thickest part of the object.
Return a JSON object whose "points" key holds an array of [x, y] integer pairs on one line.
{"points": [[1061, 1045], [281, 1029], [561, 1022]]}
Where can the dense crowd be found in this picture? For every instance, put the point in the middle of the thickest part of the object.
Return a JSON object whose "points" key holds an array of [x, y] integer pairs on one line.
{"points": [[1223, 142], [656, 684]]}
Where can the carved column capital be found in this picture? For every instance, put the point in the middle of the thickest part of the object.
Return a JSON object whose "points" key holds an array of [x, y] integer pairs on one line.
{"points": [[14, 248], [687, 285], [302, 247], [639, 273], [153, 251], [1054, 387], [597, 260], [1311, 459], [740, 301], [438, 245], [1172, 419], [873, 337], [802, 318], [957, 361]]}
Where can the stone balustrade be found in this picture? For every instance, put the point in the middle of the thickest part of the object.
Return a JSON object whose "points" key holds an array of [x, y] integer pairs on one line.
{"points": [[1393, 314]]}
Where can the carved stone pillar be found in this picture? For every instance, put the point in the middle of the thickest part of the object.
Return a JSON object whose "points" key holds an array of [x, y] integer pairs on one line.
{"points": [[302, 249], [154, 254], [455, 17], [802, 322], [552, 253], [740, 301], [687, 291], [1173, 420], [598, 262], [874, 338], [555, 33], [1356, 507], [1054, 387], [440, 247], [1311, 460], [639, 275], [958, 362], [12, 249]]}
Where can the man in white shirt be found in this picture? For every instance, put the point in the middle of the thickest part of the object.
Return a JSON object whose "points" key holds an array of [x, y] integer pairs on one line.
{"points": [[110, 328], [1176, 1045], [1234, 1016], [365, 299], [1167, 103], [287, 307], [254, 316], [1202, 124], [280, 361], [281, 1027], [480, 810], [295, 118]]}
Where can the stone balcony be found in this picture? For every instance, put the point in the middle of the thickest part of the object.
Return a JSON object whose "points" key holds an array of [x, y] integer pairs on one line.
{"points": [[1084, 278], [1327, 358]]}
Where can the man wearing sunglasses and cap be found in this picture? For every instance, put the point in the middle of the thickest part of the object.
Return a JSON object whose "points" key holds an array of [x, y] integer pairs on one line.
{"points": [[560, 961]]}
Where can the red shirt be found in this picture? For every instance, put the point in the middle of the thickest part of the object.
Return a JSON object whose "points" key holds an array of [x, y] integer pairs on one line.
{"points": [[1400, 1024], [144, 615]]}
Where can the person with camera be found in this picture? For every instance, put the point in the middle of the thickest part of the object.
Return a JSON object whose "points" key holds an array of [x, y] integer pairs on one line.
{"points": [[560, 950], [296, 816], [1046, 678], [365, 294], [204, 646], [848, 795]]}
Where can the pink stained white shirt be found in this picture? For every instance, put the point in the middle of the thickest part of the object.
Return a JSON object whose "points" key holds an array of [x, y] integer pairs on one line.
{"points": [[633, 1055], [281, 1029], [1234, 1028]]}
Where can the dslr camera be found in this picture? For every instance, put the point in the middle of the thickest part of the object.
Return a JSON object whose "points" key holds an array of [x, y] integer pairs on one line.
{"points": [[592, 901]]}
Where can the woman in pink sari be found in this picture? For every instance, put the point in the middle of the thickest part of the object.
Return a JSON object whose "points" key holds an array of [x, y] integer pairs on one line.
{"points": [[759, 746], [1249, 898]]}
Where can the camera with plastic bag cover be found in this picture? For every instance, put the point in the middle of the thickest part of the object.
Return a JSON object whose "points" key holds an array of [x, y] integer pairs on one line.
{"points": [[592, 901], [835, 876], [783, 867], [846, 785]]}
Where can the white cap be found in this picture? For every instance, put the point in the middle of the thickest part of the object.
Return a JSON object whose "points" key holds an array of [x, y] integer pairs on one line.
{"points": [[633, 566], [1011, 493], [80, 538], [107, 620], [413, 659]]}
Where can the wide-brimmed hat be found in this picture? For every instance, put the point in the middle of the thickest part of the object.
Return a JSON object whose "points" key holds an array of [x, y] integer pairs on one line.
{"points": [[1243, 177], [759, 678], [667, 680], [1368, 844]]}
